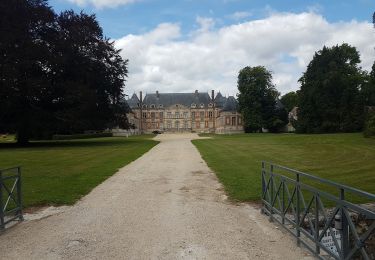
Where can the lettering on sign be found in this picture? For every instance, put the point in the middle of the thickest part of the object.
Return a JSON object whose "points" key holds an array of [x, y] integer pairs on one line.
{"points": [[328, 242]]}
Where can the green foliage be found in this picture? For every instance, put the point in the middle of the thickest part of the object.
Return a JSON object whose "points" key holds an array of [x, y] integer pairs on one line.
{"points": [[80, 136], [329, 99], [289, 100], [236, 159], [61, 172], [370, 125], [368, 88], [257, 100], [59, 73]]}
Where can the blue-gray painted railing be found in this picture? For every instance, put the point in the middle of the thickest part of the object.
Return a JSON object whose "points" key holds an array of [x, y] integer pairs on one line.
{"points": [[10, 196], [327, 223]]}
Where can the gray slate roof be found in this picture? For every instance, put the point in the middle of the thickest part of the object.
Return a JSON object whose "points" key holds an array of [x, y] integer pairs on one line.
{"points": [[133, 101], [185, 99], [231, 104]]}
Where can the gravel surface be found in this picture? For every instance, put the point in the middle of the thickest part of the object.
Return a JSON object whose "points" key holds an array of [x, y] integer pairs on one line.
{"points": [[165, 205]]}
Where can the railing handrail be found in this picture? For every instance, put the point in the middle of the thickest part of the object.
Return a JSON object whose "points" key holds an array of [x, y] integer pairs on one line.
{"points": [[335, 184], [10, 168]]}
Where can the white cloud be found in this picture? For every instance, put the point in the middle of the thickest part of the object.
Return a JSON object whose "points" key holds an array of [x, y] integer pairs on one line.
{"points": [[102, 3], [210, 58], [240, 15]]}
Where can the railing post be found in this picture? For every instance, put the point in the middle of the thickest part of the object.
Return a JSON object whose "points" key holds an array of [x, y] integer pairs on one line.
{"points": [[345, 248], [283, 201], [263, 186], [316, 236], [298, 209], [19, 193], [272, 191], [2, 226]]}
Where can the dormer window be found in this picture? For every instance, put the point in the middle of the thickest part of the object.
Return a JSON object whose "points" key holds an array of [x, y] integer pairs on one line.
{"points": [[161, 106], [202, 105], [144, 106], [152, 106], [193, 105], [210, 105]]}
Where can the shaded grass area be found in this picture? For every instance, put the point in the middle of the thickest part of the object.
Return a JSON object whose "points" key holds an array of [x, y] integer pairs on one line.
{"points": [[61, 172], [344, 158]]}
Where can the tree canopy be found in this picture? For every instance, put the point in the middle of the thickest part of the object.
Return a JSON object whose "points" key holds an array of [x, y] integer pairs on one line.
{"points": [[58, 73], [258, 100], [330, 99], [290, 100]]}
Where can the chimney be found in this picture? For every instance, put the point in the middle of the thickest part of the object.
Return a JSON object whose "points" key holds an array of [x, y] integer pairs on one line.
{"points": [[140, 96], [157, 93], [212, 94]]}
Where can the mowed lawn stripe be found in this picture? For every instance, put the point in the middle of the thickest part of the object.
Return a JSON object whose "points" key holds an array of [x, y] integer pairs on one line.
{"points": [[61, 172], [345, 158]]}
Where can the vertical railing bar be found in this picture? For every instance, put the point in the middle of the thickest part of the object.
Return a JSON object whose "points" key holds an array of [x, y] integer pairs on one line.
{"points": [[19, 194], [2, 226], [316, 235], [272, 193], [344, 227], [283, 202], [298, 209]]}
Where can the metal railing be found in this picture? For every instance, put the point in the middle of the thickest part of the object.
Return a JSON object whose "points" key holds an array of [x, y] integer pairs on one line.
{"points": [[329, 224], [10, 196]]}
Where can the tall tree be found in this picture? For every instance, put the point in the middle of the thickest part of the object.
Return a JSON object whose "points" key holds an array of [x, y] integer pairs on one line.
{"points": [[289, 100], [25, 28], [368, 88], [329, 99], [257, 100], [58, 73]]}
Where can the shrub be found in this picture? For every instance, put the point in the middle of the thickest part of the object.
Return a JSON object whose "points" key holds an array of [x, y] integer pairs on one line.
{"points": [[370, 126]]}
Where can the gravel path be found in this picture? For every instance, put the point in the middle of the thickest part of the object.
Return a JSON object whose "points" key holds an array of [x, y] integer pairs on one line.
{"points": [[165, 205]]}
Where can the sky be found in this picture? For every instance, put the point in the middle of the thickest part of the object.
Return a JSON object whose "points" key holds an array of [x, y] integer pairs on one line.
{"points": [[187, 45]]}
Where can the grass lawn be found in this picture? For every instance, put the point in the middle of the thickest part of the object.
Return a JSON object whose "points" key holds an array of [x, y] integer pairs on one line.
{"points": [[344, 158], [61, 172]]}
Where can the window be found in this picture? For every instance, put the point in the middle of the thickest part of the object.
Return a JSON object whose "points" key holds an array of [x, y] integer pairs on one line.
{"points": [[169, 114], [177, 115], [153, 115], [144, 115], [185, 114], [192, 115], [186, 125], [210, 114], [144, 106], [161, 115], [233, 120], [210, 105], [227, 120], [192, 124], [202, 115], [202, 105], [161, 106], [193, 105], [152, 106], [177, 124], [169, 124]]}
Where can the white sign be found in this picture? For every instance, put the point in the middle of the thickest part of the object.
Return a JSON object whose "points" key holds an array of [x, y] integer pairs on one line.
{"points": [[328, 242]]}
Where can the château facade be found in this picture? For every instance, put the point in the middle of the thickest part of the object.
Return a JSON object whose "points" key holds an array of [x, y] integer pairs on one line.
{"points": [[185, 112]]}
